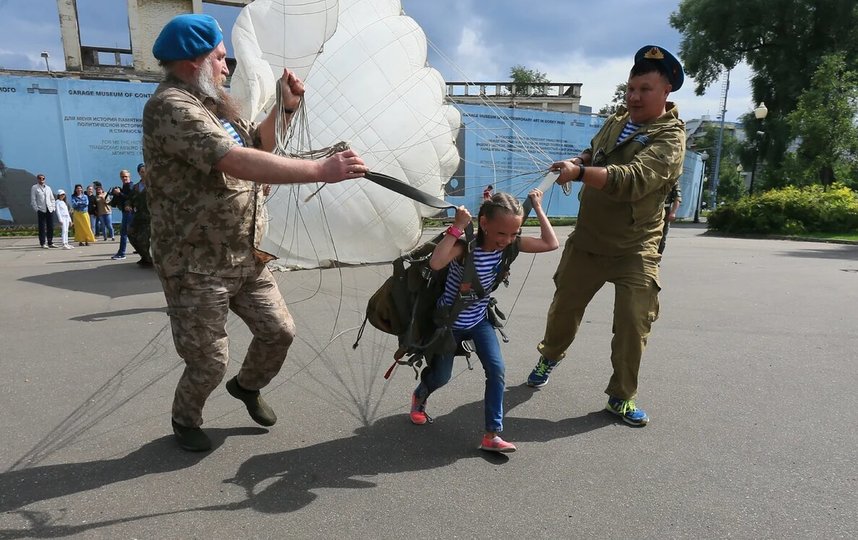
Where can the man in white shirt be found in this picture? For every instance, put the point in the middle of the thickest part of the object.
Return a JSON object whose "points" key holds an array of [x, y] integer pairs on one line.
{"points": [[43, 202]]}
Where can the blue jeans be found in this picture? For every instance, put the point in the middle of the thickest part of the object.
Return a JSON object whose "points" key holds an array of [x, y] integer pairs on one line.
{"points": [[106, 225], [127, 218], [440, 369]]}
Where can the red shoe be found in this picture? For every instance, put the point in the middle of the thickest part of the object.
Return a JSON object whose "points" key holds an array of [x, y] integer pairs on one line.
{"points": [[496, 444], [418, 411]]}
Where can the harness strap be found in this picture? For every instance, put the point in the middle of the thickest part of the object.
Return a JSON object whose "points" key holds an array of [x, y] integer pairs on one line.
{"points": [[408, 190]]}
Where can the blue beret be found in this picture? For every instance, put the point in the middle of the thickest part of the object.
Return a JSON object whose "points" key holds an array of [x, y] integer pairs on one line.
{"points": [[672, 67], [186, 37]]}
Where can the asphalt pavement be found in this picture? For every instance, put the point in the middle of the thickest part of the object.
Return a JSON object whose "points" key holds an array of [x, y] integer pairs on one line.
{"points": [[747, 378]]}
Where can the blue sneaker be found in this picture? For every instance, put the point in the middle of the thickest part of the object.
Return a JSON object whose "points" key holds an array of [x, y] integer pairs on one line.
{"points": [[628, 411], [539, 376]]}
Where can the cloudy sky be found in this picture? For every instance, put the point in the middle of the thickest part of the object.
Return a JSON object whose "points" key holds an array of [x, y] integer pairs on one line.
{"points": [[569, 40]]}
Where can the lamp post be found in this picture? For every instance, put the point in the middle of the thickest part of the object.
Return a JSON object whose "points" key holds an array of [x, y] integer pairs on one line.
{"points": [[760, 114], [716, 172], [704, 155], [45, 55]]}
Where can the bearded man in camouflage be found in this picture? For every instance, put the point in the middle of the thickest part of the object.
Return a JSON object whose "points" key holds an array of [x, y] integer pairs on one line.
{"points": [[206, 167], [630, 167]]}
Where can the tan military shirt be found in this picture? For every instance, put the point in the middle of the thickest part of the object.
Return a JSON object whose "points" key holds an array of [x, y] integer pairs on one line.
{"points": [[202, 220], [627, 215]]}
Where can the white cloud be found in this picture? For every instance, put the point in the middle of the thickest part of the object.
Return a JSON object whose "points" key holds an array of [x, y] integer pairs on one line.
{"points": [[10, 59], [474, 59], [26, 33], [599, 78], [489, 42]]}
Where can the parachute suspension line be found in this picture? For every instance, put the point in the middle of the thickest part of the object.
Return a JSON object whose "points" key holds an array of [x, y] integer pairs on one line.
{"points": [[504, 118], [545, 185], [339, 266], [520, 134], [318, 353], [283, 134]]}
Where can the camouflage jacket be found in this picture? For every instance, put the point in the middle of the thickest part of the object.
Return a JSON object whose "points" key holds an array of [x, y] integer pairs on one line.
{"points": [[674, 195], [627, 215], [139, 202], [202, 220]]}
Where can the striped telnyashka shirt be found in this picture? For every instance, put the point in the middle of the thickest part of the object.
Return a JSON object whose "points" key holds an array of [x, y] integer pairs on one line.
{"points": [[487, 266], [630, 128], [231, 130]]}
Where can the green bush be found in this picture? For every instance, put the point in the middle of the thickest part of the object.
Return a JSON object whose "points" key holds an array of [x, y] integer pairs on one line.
{"points": [[789, 210]]}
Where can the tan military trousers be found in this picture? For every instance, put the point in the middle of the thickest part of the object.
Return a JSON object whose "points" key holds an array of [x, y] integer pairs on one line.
{"points": [[579, 277], [198, 306]]}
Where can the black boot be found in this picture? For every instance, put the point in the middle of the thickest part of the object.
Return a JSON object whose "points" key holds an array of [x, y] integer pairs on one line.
{"points": [[192, 439], [260, 411]]}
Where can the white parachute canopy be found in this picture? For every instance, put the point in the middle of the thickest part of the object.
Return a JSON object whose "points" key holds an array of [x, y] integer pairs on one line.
{"points": [[270, 35], [369, 85]]}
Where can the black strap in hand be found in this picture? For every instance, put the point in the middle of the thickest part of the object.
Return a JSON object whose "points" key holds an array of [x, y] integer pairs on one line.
{"points": [[408, 190]]}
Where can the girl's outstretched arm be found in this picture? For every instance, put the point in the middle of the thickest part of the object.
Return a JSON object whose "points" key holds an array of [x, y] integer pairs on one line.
{"points": [[449, 247], [547, 240]]}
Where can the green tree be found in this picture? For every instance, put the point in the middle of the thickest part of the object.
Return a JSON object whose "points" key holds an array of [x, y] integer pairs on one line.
{"points": [[824, 121], [731, 183], [618, 99], [527, 82], [782, 40]]}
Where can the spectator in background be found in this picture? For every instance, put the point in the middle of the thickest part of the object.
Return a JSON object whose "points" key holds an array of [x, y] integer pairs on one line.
{"points": [[671, 205], [487, 193], [80, 217], [43, 202], [138, 231], [63, 216], [104, 210], [122, 201], [92, 209]]}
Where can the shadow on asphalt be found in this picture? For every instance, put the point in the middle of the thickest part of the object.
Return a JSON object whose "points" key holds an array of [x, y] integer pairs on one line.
{"points": [[389, 446], [111, 280], [104, 315], [287, 479], [21, 487], [847, 252]]}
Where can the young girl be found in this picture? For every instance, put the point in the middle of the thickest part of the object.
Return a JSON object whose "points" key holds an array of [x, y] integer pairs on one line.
{"points": [[80, 217], [64, 217], [500, 220]]}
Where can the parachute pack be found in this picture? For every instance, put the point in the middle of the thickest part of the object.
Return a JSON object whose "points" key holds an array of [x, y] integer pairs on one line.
{"points": [[406, 305]]}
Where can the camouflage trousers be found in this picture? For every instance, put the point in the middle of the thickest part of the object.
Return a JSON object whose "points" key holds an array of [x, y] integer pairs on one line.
{"points": [[579, 277], [198, 306], [138, 236]]}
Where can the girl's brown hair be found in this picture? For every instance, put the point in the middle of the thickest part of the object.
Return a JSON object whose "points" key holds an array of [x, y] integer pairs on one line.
{"points": [[499, 202]]}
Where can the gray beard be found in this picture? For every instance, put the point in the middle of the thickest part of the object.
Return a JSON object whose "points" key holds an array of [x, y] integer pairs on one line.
{"points": [[205, 81], [225, 106]]}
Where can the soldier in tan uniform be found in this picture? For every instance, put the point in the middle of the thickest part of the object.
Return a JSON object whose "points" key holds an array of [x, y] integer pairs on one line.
{"points": [[627, 172], [205, 169]]}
